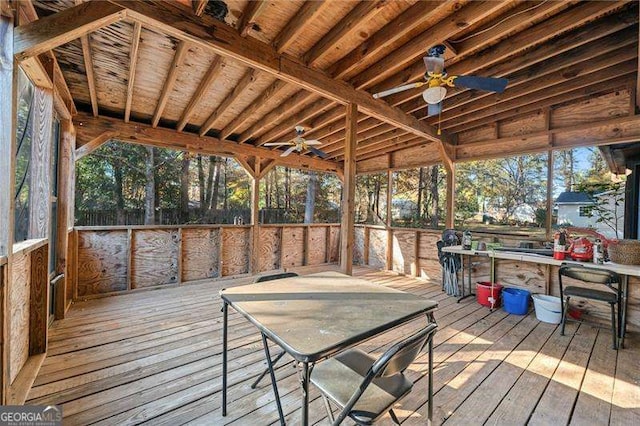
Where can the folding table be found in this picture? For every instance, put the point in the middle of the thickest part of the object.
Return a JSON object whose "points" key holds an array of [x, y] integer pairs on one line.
{"points": [[314, 317]]}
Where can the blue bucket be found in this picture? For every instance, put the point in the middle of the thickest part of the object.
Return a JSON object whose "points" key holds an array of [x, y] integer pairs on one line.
{"points": [[515, 301]]}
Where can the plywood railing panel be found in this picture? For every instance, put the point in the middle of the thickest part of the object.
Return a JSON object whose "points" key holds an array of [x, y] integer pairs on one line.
{"points": [[154, 257], [235, 251], [404, 252], [270, 246], [102, 262], [334, 244], [39, 300], [200, 254], [293, 246], [378, 248], [316, 245], [18, 326]]}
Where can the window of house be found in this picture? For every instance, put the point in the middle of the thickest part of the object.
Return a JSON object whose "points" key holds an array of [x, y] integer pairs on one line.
{"points": [[586, 211]]}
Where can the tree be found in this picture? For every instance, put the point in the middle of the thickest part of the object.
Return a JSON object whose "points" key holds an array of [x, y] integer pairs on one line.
{"points": [[149, 188], [311, 197]]}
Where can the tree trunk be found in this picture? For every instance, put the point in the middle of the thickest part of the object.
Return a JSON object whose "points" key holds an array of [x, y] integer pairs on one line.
{"points": [[420, 190], [184, 188], [434, 197], [150, 189], [225, 200], [311, 197], [209, 184], [117, 174], [215, 194]]}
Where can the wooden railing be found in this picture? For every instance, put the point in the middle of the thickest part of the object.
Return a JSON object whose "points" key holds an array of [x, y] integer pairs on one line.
{"points": [[112, 260]]}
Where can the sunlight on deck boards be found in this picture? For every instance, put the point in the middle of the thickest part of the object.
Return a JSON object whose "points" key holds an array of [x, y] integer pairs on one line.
{"points": [[155, 357]]}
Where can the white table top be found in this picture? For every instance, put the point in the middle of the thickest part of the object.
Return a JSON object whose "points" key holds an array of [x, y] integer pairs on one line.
{"points": [[631, 270]]}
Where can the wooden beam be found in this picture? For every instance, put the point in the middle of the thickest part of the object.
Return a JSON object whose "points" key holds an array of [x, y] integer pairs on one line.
{"points": [[291, 121], [266, 166], [52, 31], [133, 61], [362, 12], [217, 65], [38, 73], [89, 128], [260, 101], [245, 81], [181, 49], [88, 67], [92, 144], [307, 13], [217, 37], [347, 220], [249, 168], [251, 12]]}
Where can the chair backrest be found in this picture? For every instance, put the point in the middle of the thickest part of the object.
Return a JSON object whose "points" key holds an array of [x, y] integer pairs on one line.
{"points": [[401, 355], [272, 277], [589, 275]]}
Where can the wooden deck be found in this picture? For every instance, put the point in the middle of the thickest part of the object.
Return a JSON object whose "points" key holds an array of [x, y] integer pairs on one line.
{"points": [[154, 357]]}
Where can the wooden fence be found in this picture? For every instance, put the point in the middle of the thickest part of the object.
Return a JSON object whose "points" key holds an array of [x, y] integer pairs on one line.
{"points": [[113, 260]]}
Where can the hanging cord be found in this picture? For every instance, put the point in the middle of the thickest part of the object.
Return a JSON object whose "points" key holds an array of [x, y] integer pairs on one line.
{"points": [[498, 23]]}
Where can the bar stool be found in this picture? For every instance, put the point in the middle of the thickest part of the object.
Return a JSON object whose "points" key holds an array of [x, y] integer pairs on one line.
{"points": [[612, 295]]}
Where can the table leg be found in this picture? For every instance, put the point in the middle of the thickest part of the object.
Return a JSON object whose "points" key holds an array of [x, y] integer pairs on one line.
{"points": [[430, 406], [305, 394], [469, 267], [273, 378], [224, 357], [622, 327]]}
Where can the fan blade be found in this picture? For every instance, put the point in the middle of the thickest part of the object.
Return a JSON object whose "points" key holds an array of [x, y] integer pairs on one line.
{"points": [[399, 89], [483, 83], [313, 142], [434, 64], [317, 152], [277, 143], [434, 109], [288, 151]]}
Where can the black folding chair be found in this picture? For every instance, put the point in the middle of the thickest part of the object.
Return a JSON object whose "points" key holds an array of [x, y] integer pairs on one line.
{"points": [[366, 388], [261, 279], [612, 296]]}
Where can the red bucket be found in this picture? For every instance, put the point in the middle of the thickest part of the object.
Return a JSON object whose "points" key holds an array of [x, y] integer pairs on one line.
{"points": [[484, 293]]}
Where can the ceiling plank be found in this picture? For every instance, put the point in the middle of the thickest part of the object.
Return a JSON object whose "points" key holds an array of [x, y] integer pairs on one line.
{"points": [[395, 135], [219, 38], [568, 77], [88, 67], [260, 101], [217, 65], [133, 61], [251, 12], [167, 88], [399, 146], [49, 32], [88, 128], [294, 102], [593, 78], [307, 13], [292, 120], [610, 84], [414, 49], [409, 20], [247, 79], [363, 12]]}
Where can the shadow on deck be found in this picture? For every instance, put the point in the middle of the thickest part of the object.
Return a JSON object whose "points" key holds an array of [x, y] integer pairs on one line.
{"points": [[156, 357]]}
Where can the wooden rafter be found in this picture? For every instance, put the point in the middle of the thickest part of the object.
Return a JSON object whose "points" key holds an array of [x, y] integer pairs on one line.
{"points": [[292, 120], [88, 128], [363, 12], [247, 79], [167, 88], [213, 72], [88, 67], [305, 16], [251, 12], [199, 6], [264, 98], [133, 60]]}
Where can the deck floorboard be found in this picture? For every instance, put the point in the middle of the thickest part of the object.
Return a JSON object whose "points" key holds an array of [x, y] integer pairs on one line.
{"points": [[155, 358]]}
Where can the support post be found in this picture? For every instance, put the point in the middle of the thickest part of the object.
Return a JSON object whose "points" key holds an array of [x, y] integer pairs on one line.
{"points": [[7, 167], [255, 210], [549, 215], [451, 197], [389, 257], [347, 220]]}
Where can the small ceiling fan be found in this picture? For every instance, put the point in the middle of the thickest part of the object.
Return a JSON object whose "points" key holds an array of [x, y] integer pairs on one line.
{"points": [[437, 80], [299, 144]]}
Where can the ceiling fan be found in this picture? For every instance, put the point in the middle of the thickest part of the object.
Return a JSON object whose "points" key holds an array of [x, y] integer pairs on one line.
{"points": [[299, 144], [437, 80]]}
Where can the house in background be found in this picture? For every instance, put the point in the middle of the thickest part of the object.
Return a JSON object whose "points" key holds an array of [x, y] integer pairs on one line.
{"points": [[581, 210]]}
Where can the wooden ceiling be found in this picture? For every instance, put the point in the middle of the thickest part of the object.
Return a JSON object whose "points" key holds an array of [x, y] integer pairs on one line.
{"points": [[288, 61]]}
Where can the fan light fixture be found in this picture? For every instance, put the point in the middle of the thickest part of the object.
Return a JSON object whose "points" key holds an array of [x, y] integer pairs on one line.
{"points": [[434, 95]]}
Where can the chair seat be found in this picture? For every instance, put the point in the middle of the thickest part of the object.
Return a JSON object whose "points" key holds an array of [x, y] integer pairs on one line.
{"points": [[590, 293], [339, 377]]}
